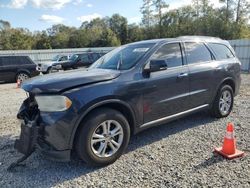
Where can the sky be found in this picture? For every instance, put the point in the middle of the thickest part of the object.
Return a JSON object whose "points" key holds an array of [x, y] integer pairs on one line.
{"points": [[37, 15]]}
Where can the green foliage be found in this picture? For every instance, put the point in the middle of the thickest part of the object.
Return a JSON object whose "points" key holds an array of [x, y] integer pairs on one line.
{"points": [[230, 21], [119, 25]]}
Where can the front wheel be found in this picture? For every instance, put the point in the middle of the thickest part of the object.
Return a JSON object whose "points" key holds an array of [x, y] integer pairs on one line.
{"points": [[223, 102], [49, 70], [103, 138]]}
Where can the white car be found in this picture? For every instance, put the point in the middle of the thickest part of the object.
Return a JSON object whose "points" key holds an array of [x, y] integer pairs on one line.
{"points": [[46, 66]]}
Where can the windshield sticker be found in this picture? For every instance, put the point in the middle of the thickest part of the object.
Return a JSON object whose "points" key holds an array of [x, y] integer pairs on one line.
{"points": [[140, 49]]}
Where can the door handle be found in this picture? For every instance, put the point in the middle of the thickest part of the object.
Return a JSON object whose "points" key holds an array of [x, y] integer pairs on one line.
{"points": [[182, 75]]}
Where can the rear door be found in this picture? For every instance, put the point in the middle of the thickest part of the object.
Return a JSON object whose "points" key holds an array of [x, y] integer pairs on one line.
{"points": [[8, 68], [171, 86], [201, 65]]}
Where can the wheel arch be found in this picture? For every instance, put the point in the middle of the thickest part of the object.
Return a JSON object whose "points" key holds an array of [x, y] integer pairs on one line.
{"points": [[115, 104], [228, 81], [22, 71]]}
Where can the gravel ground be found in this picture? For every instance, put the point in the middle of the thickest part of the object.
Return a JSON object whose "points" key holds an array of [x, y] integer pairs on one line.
{"points": [[179, 154]]}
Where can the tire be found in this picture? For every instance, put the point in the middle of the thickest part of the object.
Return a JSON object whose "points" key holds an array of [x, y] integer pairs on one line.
{"points": [[49, 70], [87, 146], [22, 76], [217, 108]]}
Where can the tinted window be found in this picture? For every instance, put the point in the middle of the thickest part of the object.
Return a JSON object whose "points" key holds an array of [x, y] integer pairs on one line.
{"points": [[63, 58], [171, 53], [7, 61], [84, 58], [23, 60], [197, 52], [73, 57], [95, 56], [221, 51]]}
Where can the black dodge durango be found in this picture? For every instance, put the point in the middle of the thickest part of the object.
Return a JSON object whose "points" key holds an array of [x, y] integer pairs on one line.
{"points": [[136, 86]]}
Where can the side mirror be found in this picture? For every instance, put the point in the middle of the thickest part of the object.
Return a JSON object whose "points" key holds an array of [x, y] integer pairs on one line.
{"points": [[157, 65]]}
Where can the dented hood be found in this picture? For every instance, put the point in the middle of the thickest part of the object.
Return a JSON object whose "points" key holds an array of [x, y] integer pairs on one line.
{"points": [[57, 82]]}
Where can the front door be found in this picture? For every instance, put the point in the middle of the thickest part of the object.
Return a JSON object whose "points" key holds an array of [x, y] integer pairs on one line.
{"points": [[170, 87]]}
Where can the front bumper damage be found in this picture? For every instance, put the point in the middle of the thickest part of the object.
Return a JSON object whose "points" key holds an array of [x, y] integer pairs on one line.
{"points": [[32, 135]]}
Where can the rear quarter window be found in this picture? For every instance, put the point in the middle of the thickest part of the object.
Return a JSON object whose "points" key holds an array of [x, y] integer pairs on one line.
{"points": [[221, 51]]}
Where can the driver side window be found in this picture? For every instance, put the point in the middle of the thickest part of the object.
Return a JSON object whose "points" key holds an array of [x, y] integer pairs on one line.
{"points": [[171, 53]]}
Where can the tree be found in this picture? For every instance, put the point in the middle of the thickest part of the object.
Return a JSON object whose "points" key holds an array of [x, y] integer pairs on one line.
{"points": [[119, 25], [160, 5], [135, 33], [42, 41], [242, 10], [16, 39], [4, 25], [147, 13]]}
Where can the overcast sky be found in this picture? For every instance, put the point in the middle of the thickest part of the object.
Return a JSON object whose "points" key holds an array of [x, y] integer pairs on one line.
{"points": [[41, 14]]}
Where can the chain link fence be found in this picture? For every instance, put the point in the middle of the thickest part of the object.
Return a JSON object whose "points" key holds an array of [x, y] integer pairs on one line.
{"points": [[242, 49]]}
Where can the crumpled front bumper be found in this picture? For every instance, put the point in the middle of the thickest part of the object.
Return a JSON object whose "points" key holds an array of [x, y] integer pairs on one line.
{"points": [[32, 134]]}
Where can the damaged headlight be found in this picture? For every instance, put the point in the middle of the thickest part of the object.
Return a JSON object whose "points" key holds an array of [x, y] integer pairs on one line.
{"points": [[53, 103]]}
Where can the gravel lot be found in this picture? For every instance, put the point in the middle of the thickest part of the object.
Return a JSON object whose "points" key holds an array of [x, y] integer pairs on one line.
{"points": [[179, 154]]}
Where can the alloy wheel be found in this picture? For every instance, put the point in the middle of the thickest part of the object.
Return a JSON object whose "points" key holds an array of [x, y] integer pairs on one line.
{"points": [[225, 102], [22, 77], [107, 138]]}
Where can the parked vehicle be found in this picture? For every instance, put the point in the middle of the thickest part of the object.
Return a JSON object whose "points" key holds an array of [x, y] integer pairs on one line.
{"points": [[132, 88], [78, 60], [46, 67], [13, 68]]}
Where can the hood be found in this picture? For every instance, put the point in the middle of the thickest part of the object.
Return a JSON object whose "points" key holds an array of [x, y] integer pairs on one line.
{"points": [[57, 82], [49, 63]]}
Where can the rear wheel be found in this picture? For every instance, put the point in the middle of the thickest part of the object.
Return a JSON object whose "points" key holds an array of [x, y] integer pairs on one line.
{"points": [[223, 102], [22, 76], [103, 137]]}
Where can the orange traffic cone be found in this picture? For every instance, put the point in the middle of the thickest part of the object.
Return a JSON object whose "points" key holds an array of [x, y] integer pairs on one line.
{"points": [[18, 83], [228, 150]]}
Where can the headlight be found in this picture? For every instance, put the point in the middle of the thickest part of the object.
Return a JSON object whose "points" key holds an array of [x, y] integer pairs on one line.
{"points": [[53, 103]]}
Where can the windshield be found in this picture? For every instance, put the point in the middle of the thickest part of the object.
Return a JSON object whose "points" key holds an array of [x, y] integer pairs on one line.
{"points": [[73, 57], [55, 58], [122, 58]]}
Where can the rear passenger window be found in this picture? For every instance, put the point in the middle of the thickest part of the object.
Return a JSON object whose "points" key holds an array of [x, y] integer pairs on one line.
{"points": [[171, 53], [197, 52], [221, 51], [7, 61]]}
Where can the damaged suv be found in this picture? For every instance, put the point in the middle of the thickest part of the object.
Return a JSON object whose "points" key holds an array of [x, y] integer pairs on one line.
{"points": [[136, 86]]}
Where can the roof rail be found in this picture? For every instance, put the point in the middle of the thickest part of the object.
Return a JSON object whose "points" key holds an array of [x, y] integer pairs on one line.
{"points": [[199, 37]]}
